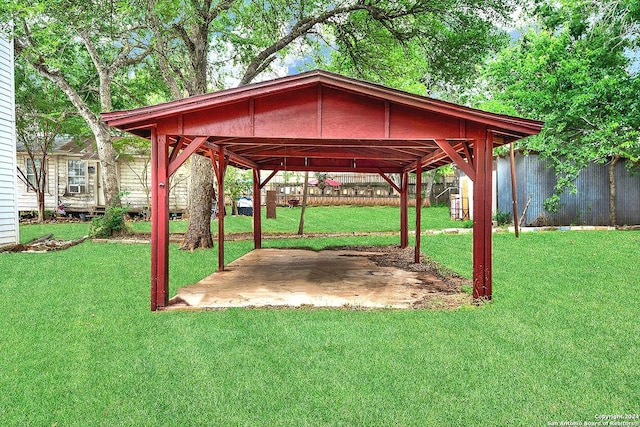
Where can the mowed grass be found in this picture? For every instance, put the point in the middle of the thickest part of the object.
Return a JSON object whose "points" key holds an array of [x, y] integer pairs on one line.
{"points": [[559, 343], [324, 219]]}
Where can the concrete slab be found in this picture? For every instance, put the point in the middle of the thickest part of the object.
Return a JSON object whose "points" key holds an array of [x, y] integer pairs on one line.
{"points": [[329, 278]]}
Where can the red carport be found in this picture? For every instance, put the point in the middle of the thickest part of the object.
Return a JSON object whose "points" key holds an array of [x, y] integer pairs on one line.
{"points": [[324, 122]]}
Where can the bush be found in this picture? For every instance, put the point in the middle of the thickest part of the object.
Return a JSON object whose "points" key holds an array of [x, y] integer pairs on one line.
{"points": [[502, 218], [112, 223]]}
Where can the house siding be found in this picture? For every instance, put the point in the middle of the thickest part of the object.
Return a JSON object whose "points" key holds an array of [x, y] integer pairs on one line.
{"points": [[9, 231], [28, 199], [130, 176], [135, 183]]}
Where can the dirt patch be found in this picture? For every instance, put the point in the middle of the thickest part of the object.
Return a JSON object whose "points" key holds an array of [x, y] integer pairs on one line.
{"points": [[439, 286], [355, 277]]}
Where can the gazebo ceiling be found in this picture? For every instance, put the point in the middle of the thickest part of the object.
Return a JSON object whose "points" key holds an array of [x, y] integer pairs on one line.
{"points": [[325, 122]]}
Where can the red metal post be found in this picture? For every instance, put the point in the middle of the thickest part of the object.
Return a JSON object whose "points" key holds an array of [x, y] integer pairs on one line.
{"points": [[482, 226], [159, 221], [418, 210], [404, 208], [257, 219], [488, 253], [154, 219], [163, 221], [221, 211]]}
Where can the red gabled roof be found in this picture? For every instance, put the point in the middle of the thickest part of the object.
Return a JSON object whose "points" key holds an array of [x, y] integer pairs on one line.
{"points": [[339, 122]]}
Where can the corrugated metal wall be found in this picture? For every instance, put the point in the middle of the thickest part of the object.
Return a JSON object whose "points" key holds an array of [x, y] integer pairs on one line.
{"points": [[589, 206]]}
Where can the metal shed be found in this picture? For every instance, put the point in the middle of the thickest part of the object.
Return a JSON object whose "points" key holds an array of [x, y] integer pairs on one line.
{"points": [[320, 121]]}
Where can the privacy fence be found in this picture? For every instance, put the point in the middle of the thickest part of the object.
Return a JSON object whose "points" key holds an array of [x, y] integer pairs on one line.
{"points": [[360, 190]]}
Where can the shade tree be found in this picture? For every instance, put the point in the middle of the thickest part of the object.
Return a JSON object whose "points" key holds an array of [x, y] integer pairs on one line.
{"points": [[573, 67]]}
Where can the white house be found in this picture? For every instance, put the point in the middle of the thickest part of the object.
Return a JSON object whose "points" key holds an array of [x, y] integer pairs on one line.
{"points": [[74, 180], [9, 230]]}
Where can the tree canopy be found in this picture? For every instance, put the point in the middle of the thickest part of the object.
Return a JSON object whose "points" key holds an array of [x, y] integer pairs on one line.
{"points": [[206, 45], [43, 114], [83, 47], [574, 64], [575, 67]]}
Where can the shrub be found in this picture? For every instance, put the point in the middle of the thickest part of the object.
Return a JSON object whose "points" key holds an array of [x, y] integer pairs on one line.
{"points": [[112, 223], [502, 218]]}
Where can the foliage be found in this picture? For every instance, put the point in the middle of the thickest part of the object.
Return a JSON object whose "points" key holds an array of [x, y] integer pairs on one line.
{"points": [[430, 48], [113, 222], [42, 115], [238, 182], [322, 178], [503, 218], [560, 339], [289, 175], [572, 68], [87, 49]]}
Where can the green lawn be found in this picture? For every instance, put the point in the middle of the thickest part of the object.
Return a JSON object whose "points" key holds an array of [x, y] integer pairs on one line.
{"points": [[324, 219], [559, 343]]}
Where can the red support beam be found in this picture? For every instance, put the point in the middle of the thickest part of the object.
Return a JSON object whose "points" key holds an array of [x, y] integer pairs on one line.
{"points": [[186, 153], [488, 252], [302, 168], [391, 183], [404, 208], [159, 221], [265, 141], [163, 221], [176, 149], [418, 211], [257, 215], [271, 175], [456, 157], [212, 156], [467, 153], [220, 172], [338, 153], [154, 219], [482, 227]]}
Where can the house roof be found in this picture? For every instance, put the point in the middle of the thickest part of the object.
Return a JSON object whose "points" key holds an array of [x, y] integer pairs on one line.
{"points": [[69, 146], [324, 122]]}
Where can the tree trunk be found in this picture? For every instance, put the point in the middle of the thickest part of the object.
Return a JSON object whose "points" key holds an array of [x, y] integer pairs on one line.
{"points": [[41, 215], [107, 155], [41, 182], [431, 176], [198, 233], [304, 203], [106, 152], [612, 191]]}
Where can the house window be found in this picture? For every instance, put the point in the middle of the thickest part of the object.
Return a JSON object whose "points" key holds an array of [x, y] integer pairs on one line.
{"points": [[31, 173], [77, 176]]}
